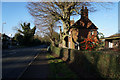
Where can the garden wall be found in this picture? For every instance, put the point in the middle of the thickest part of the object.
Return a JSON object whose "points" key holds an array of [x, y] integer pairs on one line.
{"points": [[91, 64]]}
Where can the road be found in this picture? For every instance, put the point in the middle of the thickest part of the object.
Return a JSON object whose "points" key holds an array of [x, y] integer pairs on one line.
{"points": [[15, 61]]}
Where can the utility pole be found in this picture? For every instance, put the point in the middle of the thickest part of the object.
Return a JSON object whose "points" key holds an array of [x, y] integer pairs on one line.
{"points": [[3, 26]]}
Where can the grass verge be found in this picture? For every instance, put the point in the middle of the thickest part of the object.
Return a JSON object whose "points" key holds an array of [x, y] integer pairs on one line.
{"points": [[59, 69]]}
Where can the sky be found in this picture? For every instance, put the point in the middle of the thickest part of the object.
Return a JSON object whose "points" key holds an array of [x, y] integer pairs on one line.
{"points": [[119, 17], [14, 13]]}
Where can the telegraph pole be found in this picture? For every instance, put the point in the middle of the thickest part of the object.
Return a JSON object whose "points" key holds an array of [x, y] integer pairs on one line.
{"points": [[3, 26]]}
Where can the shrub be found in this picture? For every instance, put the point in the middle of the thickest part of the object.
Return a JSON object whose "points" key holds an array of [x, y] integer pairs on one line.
{"points": [[88, 44]]}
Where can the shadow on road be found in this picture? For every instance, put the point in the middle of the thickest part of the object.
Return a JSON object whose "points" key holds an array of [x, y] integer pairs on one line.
{"points": [[39, 68]]}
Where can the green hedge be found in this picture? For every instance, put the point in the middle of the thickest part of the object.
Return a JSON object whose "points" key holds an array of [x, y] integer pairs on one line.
{"points": [[92, 63], [104, 65], [55, 50]]}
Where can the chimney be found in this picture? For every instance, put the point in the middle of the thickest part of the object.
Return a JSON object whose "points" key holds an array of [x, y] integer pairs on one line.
{"points": [[84, 12]]}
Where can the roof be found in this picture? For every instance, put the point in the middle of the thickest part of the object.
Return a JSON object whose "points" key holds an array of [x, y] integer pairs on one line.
{"points": [[115, 36], [4, 35], [112, 38], [84, 23]]}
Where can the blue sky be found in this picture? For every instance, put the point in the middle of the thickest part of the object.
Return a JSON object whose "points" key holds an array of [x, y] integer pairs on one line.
{"points": [[119, 17], [14, 13]]}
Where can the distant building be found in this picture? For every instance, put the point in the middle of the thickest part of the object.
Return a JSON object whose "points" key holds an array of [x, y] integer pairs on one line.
{"points": [[5, 41], [83, 28], [113, 41]]}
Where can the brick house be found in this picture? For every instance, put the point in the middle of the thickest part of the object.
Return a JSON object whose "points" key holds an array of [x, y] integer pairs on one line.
{"points": [[113, 41], [83, 28]]}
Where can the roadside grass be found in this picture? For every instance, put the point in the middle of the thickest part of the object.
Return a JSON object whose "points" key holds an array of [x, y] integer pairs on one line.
{"points": [[59, 69]]}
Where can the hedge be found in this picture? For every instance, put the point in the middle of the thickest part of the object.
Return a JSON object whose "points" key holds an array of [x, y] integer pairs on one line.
{"points": [[91, 63]]}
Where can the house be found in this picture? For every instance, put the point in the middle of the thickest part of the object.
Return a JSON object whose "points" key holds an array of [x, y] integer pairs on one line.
{"points": [[5, 41], [113, 41], [83, 28]]}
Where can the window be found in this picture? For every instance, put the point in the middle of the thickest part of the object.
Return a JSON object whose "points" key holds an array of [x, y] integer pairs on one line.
{"points": [[92, 32]]}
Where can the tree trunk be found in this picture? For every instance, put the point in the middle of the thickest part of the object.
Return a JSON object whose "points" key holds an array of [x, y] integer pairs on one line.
{"points": [[66, 26], [52, 42]]}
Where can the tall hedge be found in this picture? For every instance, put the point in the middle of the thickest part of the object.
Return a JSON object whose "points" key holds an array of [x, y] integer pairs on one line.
{"points": [[92, 63]]}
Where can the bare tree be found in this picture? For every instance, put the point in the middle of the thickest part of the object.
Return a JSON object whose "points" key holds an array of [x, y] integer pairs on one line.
{"points": [[51, 12], [47, 26]]}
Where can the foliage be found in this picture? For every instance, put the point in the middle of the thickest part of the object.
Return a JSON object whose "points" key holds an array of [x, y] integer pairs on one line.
{"points": [[101, 39], [19, 38], [28, 33], [96, 64], [36, 42], [48, 39], [88, 44], [100, 35]]}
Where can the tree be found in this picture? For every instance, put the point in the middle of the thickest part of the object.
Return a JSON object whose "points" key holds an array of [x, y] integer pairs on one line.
{"points": [[54, 37], [100, 35], [19, 38], [49, 29], [58, 11], [27, 32]]}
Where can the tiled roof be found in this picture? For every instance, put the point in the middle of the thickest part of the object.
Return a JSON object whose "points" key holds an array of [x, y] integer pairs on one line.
{"points": [[115, 35], [84, 23]]}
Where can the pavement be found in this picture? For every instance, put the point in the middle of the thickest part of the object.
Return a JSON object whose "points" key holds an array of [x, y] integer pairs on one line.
{"points": [[38, 70]]}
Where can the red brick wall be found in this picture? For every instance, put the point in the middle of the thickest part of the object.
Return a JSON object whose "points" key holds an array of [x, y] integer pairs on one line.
{"points": [[106, 44], [86, 33]]}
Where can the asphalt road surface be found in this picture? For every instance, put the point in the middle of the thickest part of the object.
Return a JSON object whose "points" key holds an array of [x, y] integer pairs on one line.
{"points": [[15, 61]]}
